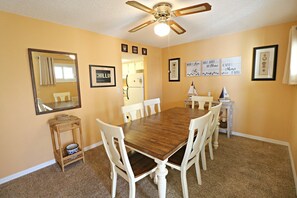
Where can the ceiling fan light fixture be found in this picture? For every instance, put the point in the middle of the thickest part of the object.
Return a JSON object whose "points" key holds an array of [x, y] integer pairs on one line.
{"points": [[161, 29]]}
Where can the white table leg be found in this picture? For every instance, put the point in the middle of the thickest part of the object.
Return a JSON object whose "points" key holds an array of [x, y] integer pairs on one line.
{"points": [[216, 137], [161, 174]]}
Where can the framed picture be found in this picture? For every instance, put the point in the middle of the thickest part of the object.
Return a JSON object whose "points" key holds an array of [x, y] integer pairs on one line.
{"points": [[124, 47], [174, 69], [134, 49], [144, 51], [102, 76], [264, 62]]}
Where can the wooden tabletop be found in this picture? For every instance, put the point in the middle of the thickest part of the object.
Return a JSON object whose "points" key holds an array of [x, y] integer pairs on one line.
{"points": [[62, 104], [162, 134]]}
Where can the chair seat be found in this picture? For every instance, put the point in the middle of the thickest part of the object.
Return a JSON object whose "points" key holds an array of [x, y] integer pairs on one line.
{"points": [[140, 164], [178, 157]]}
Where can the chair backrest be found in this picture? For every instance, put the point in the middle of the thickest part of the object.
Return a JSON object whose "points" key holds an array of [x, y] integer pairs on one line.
{"points": [[201, 101], [42, 107], [62, 96], [132, 112], [111, 137], [196, 140], [149, 106], [74, 98], [215, 113]]}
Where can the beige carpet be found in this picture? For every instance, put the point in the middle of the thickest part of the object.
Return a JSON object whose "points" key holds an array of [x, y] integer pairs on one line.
{"points": [[241, 168]]}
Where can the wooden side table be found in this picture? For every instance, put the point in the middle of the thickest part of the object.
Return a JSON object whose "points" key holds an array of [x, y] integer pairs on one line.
{"points": [[226, 120], [73, 125]]}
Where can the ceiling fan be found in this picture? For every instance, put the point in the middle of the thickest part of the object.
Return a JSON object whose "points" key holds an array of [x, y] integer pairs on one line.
{"points": [[163, 14]]}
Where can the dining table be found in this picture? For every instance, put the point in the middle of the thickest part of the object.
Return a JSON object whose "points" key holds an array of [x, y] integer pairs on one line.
{"points": [[159, 136], [62, 104]]}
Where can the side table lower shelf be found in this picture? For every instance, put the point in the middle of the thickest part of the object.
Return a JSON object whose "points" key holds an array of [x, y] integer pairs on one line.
{"points": [[68, 159]]}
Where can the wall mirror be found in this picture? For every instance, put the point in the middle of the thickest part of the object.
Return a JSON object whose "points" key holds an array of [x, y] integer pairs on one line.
{"points": [[55, 80]]}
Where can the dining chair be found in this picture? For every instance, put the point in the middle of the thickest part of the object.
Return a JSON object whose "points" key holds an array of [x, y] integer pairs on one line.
{"points": [[132, 167], [151, 105], [74, 98], [201, 101], [61, 96], [42, 107], [189, 154], [132, 112], [214, 125]]}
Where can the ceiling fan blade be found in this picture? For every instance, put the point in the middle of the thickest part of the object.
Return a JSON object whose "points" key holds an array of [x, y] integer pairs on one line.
{"points": [[140, 6], [142, 26], [192, 9], [176, 27]]}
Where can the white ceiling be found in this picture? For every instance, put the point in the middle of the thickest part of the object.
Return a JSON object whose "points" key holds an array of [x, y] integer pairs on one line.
{"points": [[115, 18]]}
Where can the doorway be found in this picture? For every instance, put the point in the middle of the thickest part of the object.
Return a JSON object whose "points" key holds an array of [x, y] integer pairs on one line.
{"points": [[133, 78]]}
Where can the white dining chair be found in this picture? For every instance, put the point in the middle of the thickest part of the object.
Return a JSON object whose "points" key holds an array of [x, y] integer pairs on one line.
{"points": [[132, 167], [74, 98], [150, 106], [214, 125], [61, 96], [42, 107], [132, 112], [201, 101], [188, 155]]}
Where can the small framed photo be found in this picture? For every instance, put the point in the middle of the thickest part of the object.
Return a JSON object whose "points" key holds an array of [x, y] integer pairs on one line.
{"points": [[124, 47], [144, 51], [134, 49], [264, 62], [102, 76], [174, 70]]}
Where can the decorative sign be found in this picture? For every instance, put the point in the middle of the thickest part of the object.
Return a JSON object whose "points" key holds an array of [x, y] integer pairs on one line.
{"points": [[102, 76], [231, 66], [134, 49], [124, 47], [264, 62], [193, 68], [211, 67], [174, 69]]}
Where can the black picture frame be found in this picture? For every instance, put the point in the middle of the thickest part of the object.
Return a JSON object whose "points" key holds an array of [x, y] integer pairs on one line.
{"points": [[124, 47], [144, 51], [264, 63], [134, 49], [102, 76], [174, 70]]}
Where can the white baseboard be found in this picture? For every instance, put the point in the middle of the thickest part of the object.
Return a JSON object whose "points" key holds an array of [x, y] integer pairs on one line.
{"points": [[39, 166], [93, 146], [263, 139], [274, 142], [27, 171], [293, 168]]}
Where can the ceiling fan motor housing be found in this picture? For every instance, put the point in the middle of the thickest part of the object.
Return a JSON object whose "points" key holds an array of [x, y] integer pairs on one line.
{"points": [[162, 10]]}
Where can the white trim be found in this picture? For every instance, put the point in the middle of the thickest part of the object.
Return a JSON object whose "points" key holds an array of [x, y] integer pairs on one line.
{"points": [[260, 138], [93, 146], [293, 168], [274, 142], [27, 171], [39, 166]]}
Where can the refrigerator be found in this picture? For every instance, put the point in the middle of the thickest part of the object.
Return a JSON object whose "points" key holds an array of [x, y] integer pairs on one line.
{"points": [[133, 92]]}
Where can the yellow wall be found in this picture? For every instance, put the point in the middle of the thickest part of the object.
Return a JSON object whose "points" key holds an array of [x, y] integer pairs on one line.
{"points": [[262, 108], [25, 137]]}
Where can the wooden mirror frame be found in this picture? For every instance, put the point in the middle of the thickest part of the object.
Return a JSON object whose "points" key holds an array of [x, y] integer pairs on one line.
{"points": [[30, 51]]}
